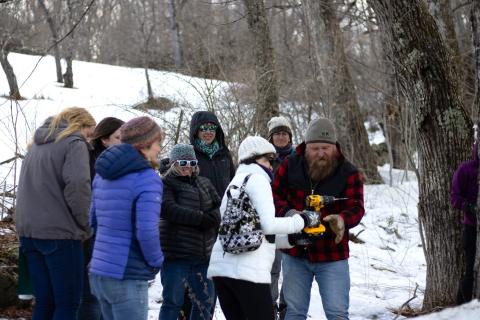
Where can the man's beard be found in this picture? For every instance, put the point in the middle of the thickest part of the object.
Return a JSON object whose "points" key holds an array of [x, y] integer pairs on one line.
{"points": [[319, 169]]}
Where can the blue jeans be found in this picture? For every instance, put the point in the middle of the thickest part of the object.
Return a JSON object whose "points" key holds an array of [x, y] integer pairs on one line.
{"points": [[333, 279], [56, 271], [177, 275], [120, 299]]}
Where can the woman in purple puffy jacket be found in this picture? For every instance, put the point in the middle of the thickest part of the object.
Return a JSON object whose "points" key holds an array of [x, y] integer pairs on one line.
{"points": [[464, 196]]}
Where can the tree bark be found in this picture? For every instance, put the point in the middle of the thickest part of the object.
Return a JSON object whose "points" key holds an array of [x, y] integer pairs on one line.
{"points": [[10, 74], [175, 36], [265, 72], [428, 81], [54, 32], [475, 20], [69, 46], [328, 42], [441, 10]]}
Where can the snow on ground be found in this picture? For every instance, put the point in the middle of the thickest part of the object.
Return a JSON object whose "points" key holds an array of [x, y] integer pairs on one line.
{"points": [[384, 270]]}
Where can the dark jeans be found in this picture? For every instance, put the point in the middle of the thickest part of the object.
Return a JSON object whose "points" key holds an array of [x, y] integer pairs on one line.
{"points": [[56, 271], [242, 299], [469, 247], [89, 305], [176, 275]]}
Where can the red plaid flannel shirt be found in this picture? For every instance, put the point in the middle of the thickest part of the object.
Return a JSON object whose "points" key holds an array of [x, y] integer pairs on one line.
{"points": [[287, 196]]}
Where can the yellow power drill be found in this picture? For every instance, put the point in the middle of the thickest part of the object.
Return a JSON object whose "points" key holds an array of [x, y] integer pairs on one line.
{"points": [[315, 202]]}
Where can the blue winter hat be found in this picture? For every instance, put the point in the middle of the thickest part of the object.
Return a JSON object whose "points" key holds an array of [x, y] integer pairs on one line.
{"points": [[182, 151]]}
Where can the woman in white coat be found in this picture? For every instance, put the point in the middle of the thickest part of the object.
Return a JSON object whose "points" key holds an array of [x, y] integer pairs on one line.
{"points": [[242, 281]]}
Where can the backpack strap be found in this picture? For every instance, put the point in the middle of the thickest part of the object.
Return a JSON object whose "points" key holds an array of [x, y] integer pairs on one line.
{"points": [[242, 187]]}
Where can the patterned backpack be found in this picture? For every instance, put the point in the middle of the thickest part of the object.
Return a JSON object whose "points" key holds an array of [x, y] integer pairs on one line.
{"points": [[240, 229]]}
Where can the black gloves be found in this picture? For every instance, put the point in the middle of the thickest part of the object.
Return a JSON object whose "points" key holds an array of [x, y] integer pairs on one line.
{"points": [[311, 218], [210, 219], [470, 207]]}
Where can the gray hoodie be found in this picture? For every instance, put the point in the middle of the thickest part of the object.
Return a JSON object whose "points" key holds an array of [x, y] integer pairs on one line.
{"points": [[54, 190]]}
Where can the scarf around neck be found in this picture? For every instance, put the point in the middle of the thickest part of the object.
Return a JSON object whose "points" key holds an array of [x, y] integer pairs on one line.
{"points": [[208, 149]]}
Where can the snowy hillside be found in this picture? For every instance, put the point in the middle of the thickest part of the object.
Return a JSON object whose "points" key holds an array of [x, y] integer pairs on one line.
{"points": [[384, 270]]}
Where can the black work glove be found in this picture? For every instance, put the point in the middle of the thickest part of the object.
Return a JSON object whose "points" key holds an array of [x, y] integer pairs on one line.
{"points": [[209, 220], [311, 218], [301, 239], [470, 207]]}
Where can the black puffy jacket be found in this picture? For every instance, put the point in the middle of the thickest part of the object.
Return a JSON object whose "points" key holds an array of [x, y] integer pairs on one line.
{"points": [[185, 199], [220, 168]]}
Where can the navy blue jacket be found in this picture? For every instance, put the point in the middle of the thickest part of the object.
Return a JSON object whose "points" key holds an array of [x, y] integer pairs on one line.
{"points": [[125, 213]]}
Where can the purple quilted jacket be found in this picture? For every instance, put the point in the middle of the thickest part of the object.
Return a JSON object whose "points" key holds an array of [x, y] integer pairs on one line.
{"points": [[465, 185]]}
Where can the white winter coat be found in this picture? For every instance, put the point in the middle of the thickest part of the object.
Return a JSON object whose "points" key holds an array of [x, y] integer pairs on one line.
{"points": [[254, 266]]}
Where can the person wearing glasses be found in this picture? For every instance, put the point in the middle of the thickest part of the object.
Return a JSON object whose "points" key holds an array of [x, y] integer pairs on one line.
{"points": [[214, 158], [189, 222], [280, 135], [242, 281]]}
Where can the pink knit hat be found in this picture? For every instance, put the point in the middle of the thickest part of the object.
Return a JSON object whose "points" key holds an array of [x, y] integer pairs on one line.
{"points": [[140, 132]]}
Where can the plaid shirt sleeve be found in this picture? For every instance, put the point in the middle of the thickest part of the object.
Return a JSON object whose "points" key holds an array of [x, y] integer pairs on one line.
{"points": [[280, 190], [352, 210]]}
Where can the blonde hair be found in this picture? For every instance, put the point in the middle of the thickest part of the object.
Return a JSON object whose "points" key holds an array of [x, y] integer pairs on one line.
{"points": [[77, 119], [173, 171]]}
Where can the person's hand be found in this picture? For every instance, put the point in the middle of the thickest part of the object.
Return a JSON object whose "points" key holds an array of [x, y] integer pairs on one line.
{"points": [[337, 225], [298, 239], [311, 218], [471, 208], [209, 220]]}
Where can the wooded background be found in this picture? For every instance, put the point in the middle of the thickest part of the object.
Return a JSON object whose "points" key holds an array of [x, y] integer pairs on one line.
{"points": [[410, 68]]}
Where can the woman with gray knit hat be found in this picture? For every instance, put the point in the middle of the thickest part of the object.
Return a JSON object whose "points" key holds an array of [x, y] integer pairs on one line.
{"points": [[242, 281], [125, 210], [188, 228]]}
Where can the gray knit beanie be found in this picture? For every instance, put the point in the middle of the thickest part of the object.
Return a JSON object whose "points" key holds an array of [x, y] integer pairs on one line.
{"points": [[321, 130], [182, 151]]}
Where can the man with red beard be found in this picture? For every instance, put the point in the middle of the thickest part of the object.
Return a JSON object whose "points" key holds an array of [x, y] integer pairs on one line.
{"points": [[319, 167]]}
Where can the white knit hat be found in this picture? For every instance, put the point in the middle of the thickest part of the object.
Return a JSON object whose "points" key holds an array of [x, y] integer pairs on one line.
{"points": [[277, 124], [252, 147]]}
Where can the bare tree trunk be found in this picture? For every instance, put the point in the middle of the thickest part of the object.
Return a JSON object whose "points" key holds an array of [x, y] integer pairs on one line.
{"points": [[265, 72], [325, 28], [54, 32], [441, 10], [475, 20], [393, 126], [11, 78], [68, 75], [428, 81], [175, 36]]}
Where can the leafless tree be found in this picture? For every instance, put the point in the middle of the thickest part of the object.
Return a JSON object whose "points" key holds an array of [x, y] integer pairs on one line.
{"points": [[342, 100], [266, 74], [426, 76], [53, 26], [475, 20], [175, 36]]}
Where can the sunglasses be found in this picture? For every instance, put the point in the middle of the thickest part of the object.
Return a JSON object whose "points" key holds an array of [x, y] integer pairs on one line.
{"points": [[187, 163], [208, 127]]}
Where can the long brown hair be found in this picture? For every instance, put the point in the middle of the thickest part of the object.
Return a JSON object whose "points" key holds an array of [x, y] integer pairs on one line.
{"points": [[77, 119]]}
